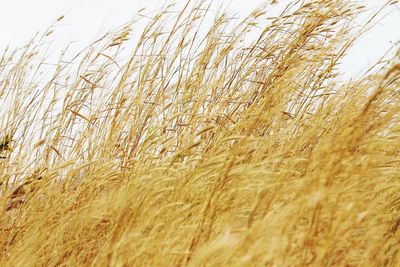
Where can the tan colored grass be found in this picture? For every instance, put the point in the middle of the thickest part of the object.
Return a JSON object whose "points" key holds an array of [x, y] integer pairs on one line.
{"points": [[200, 149]]}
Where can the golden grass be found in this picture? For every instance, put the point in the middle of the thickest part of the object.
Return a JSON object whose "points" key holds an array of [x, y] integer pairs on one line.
{"points": [[202, 148]]}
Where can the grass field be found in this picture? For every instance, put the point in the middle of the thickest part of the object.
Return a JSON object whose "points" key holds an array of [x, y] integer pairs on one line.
{"points": [[202, 147]]}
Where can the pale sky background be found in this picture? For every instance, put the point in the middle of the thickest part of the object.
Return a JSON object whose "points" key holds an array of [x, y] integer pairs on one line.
{"points": [[85, 19]]}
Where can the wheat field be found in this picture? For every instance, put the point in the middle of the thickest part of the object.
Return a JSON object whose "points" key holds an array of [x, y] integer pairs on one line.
{"points": [[201, 146]]}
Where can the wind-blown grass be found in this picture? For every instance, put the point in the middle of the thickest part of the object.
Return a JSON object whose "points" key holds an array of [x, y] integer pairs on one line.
{"points": [[202, 148]]}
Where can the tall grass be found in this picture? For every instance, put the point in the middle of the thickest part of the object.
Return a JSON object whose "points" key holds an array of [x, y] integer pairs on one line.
{"points": [[204, 146]]}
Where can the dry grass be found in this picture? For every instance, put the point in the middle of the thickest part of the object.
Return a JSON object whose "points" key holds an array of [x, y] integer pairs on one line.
{"points": [[202, 148]]}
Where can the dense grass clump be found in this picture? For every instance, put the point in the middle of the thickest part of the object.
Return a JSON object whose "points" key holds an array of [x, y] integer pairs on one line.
{"points": [[232, 144]]}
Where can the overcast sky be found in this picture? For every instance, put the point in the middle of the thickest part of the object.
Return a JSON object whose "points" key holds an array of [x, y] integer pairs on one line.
{"points": [[85, 19]]}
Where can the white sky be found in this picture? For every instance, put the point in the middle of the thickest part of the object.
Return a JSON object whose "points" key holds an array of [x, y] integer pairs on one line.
{"points": [[85, 19]]}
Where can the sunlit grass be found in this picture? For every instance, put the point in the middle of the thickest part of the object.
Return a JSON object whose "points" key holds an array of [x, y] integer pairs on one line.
{"points": [[201, 147]]}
